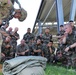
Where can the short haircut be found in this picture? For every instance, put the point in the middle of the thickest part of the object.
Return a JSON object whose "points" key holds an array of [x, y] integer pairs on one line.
{"points": [[71, 21], [68, 24], [51, 41], [61, 26], [48, 28], [28, 28]]}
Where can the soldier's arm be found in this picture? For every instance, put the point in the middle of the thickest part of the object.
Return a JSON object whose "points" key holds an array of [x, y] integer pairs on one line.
{"points": [[4, 33], [38, 50], [35, 50], [51, 51], [64, 37], [17, 37], [70, 47], [73, 45], [27, 48]]}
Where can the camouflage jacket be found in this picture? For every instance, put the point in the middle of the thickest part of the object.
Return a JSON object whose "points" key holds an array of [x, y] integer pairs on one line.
{"points": [[5, 8]]}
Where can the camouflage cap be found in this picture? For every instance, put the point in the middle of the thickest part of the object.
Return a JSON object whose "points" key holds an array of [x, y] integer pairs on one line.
{"points": [[24, 15]]}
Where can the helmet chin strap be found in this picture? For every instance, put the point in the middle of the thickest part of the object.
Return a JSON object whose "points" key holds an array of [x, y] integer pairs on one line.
{"points": [[18, 3]]}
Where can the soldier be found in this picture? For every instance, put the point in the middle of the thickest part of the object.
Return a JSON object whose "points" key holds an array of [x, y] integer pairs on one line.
{"points": [[38, 48], [61, 32], [30, 44], [28, 35], [72, 24], [49, 51], [8, 12], [14, 38], [46, 36], [59, 35], [69, 39], [7, 52], [22, 49], [9, 31]]}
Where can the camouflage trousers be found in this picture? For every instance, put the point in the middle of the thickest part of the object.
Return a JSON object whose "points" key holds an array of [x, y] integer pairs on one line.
{"points": [[69, 58]]}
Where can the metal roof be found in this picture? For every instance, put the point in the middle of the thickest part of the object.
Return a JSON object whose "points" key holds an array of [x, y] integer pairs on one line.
{"points": [[45, 7], [47, 4]]}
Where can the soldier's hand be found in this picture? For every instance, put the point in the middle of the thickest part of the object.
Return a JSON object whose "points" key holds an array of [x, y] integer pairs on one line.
{"points": [[7, 46], [22, 53], [39, 50], [66, 49], [2, 54]]}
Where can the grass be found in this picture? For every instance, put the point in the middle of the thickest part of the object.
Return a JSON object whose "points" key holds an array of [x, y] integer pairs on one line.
{"points": [[57, 70], [0, 73]]}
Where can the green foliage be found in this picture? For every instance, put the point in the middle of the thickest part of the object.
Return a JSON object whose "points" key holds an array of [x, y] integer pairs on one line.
{"points": [[56, 70]]}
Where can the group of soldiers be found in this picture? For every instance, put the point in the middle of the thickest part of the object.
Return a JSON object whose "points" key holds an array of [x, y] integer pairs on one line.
{"points": [[66, 52], [7, 13], [40, 45]]}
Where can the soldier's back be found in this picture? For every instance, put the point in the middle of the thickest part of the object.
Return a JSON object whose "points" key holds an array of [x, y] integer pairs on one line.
{"points": [[5, 8]]}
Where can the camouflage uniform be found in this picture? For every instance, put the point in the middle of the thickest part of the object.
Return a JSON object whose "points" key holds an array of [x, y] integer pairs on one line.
{"points": [[37, 47], [28, 36], [74, 29], [46, 38], [7, 51], [47, 54], [30, 44], [71, 54], [5, 8], [14, 41], [9, 32], [22, 48], [61, 33], [60, 49]]}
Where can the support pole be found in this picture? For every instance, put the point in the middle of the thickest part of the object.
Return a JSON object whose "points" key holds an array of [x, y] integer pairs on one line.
{"points": [[49, 13], [59, 11], [40, 27], [72, 10]]}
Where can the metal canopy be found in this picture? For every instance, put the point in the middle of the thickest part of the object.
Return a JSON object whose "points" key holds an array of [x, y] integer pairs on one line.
{"points": [[47, 4], [48, 12]]}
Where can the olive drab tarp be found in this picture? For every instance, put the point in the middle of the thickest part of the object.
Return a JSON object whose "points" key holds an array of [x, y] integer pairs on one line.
{"points": [[5, 7], [29, 65]]}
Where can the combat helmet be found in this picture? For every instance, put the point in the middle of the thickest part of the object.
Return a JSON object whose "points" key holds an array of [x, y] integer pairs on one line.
{"points": [[23, 15]]}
